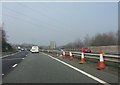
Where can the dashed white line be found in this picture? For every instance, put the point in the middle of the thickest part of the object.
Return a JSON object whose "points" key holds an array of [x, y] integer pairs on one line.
{"points": [[14, 65], [13, 59], [83, 72]]}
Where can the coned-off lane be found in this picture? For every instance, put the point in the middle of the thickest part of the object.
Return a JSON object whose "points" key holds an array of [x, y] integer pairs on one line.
{"points": [[39, 68]]}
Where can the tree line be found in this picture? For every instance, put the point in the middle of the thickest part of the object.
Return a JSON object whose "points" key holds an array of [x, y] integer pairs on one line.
{"points": [[100, 39], [6, 47]]}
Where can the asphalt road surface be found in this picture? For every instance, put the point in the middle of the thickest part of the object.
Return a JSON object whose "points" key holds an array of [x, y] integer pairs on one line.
{"points": [[42, 68], [9, 62]]}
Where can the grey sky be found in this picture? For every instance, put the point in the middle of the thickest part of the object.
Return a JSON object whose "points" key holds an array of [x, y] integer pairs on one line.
{"points": [[64, 22], [59, 0]]}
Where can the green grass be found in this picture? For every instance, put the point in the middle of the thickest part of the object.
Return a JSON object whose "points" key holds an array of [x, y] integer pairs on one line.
{"points": [[96, 61], [107, 63]]}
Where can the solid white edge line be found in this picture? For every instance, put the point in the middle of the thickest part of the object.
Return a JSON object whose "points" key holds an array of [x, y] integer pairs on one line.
{"points": [[9, 55], [13, 59], [83, 72], [14, 65]]}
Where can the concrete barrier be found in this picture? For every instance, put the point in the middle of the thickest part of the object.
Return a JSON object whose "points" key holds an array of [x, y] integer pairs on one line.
{"points": [[106, 49]]}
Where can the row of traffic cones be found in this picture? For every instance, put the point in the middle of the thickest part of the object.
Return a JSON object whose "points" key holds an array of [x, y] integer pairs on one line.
{"points": [[65, 55], [101, 64]]}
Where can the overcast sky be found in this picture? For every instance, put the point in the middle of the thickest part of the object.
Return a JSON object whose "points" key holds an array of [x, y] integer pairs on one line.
{"points": [[59, 0], [63, 22]]}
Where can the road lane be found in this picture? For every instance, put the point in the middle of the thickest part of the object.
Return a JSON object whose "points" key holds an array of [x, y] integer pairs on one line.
{"points": [[39, 68], [107, 74], [10, 61], [18, 55]]}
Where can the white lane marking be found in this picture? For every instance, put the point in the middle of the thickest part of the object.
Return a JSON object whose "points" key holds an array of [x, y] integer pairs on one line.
{"points": [[83, 72], [14, 65], [23, 58], [14, 59], [10, 54]]}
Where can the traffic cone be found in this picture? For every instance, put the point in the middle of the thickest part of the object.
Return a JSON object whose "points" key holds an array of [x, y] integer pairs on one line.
{"points": [[82, 58], [101, 63], [71, 56], [64, 54]]}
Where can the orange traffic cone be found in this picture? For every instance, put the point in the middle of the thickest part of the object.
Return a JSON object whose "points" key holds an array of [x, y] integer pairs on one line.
{"points": [[64, 54], [82, 58], [101, 63], [71, 56]]}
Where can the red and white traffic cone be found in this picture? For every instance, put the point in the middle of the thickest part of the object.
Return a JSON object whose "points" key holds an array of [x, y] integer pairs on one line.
{"points": [[64, 54], [71, 56], [82, 58], [101, 63]]}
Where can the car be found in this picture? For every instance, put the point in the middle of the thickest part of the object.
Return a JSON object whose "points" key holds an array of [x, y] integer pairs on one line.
{"points": [[86, 50], [34, 49], [22, 49]]}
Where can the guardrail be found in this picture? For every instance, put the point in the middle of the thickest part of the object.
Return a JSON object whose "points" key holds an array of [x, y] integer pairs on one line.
{"points": [[107, 57], [96, 56]]}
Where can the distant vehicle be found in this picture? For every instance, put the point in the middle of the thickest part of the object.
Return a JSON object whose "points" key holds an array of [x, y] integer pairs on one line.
{"points": [[22, 49], [34, 49], [86, 50], [19, 48]]}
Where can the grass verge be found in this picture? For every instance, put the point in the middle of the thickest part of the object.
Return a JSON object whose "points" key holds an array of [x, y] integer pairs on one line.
{"points": [[8, 53]]}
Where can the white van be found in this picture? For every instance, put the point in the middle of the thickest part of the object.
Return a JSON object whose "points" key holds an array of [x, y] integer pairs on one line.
{"points": [[34, 49]]}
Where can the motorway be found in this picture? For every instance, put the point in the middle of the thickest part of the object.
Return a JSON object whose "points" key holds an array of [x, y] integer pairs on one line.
{"points": [[26, 67], [9, 61]]}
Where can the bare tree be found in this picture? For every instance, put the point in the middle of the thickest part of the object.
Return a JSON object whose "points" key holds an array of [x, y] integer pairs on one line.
{"points": [[0, 39], [104, 39], [101, 39], [78, 44], [87, 41], [5, 45]]}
